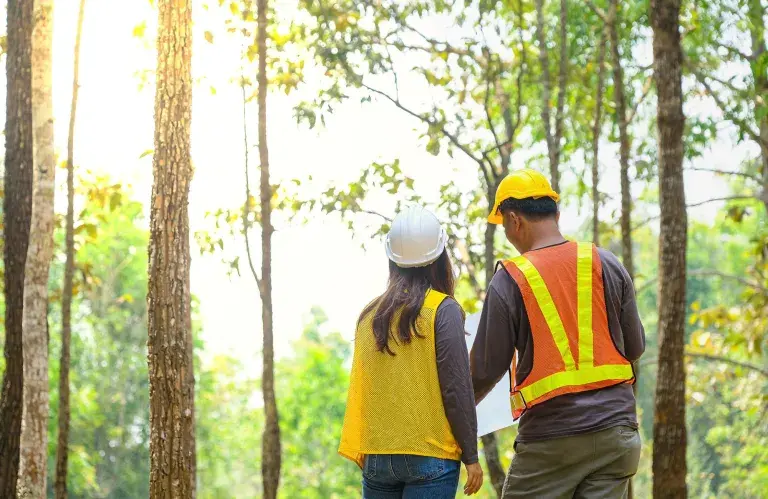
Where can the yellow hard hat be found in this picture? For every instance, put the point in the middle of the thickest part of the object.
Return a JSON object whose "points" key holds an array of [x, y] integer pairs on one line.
{"points": [[520, 185]]}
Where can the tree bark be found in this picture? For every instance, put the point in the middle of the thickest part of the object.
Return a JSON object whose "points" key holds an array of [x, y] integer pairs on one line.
{"points": [[34, 428], [271, 453], [669, 434], [759, 46], [546, 91], [490, 443], [596, 128], [17, 212], [62, 450], [624, 139], [553, 138], [171, 375]]}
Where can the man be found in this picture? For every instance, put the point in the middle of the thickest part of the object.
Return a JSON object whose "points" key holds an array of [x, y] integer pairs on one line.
{"points": [[563, 316]]}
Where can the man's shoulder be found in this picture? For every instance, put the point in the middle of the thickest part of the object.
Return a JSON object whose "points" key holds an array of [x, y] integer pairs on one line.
{"points": [[503, 283], [612, 266], [607, 256]]}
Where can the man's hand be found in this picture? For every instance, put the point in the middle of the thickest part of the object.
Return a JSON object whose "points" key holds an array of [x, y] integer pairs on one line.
{"points": [[474, 479]]}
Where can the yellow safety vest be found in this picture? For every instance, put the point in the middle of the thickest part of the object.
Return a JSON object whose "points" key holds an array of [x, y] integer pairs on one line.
{"points": [[394, 404]]}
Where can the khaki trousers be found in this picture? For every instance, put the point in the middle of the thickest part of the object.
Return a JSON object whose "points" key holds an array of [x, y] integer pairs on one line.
{"points": [[595, 465]]}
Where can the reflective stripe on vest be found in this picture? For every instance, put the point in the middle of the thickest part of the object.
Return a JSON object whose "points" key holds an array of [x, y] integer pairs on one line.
{"points": [[575, 374]]}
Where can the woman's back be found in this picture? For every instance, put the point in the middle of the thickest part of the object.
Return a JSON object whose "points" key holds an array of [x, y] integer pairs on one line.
{"points": [[395, 405]]}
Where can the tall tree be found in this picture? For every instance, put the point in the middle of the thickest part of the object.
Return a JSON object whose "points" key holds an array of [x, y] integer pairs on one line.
{"points": [[271, 456], [171, 389], [596, 129], [554, 138], [669, 432], [34, 429], [17, 211], [62, 451], [624, 139]]}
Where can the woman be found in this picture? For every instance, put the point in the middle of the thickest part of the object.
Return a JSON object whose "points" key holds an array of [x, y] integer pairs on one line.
{"points": [[410, 415]]}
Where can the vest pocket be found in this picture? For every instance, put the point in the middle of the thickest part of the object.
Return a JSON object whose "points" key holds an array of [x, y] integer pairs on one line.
{"points": [[424, 468]]}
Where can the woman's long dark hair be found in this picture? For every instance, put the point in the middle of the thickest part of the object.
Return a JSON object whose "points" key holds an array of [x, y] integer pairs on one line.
{"points": [[406, 290]]}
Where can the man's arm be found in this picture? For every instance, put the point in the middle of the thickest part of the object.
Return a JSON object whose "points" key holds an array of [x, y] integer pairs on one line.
{"points": [[631, 326], [494, 345]]}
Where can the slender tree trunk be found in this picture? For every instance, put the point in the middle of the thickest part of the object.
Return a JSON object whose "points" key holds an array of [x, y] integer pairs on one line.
{"points": [[34, 427], [171, 375], [624, 139], [271, 453], [490, 443], [624, 151], [62, 451], [669, 434], [758, 34], [17, 212], [546, 91], [562, 81], [596, 128], [553, 139]]}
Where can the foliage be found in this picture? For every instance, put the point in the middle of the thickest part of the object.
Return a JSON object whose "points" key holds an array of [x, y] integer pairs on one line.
{"points": [[312, 388]]}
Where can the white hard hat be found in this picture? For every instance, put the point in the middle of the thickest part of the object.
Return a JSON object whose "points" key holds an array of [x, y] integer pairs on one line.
{"points": [[416, 238]]}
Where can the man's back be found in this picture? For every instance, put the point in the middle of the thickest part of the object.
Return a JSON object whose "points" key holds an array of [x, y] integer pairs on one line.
{"points": [[505, 327]]}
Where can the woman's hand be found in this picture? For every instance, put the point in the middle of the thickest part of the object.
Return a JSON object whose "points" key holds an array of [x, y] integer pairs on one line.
{"points": [[474, 479]]}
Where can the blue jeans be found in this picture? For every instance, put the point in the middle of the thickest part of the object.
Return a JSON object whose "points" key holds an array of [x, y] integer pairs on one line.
{"points": [[409, 477]]}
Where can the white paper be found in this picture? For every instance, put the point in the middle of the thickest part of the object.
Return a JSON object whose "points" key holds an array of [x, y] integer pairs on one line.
{"points": [[494, 412]]}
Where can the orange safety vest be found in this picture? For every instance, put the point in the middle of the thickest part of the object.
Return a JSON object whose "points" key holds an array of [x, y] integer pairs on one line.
{"points": [[573, 350]]}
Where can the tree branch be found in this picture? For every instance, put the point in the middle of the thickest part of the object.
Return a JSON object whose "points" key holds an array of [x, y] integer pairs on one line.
{"points": [[247, 204], [734, 51], [450, 136], [600, 12], [718, 358], [694, 205], [707, 272], [725, 172], [714, 200], [646, 90], [376, 213], [729, 115], [714, 358]]}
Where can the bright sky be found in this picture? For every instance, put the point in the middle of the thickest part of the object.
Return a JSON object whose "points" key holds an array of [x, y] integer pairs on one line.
{"points": [[317, 264]]}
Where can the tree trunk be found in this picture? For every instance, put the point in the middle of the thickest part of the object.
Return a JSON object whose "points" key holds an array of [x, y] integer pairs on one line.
{"points": [[757, 31], [596, 128], [490, 444], [171, 375], [17, 211], [669, 434], [624, 151], [624, 140], [271, 453], [553, 139], [62, 451], [562, 80], [546, 92], [34, 428]]}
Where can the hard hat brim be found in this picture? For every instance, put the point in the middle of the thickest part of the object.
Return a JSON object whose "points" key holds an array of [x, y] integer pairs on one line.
{"points": [[495, 217]]}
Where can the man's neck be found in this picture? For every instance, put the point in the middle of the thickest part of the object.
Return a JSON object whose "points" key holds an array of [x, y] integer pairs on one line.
{"points": [[547, 236]]}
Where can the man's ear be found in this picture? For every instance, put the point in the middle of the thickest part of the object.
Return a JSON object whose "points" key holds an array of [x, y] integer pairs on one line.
{"points": [[557, 217]]}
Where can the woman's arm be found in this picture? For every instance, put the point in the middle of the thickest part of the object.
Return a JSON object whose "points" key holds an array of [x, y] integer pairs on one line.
{"points": [[454, 377]]}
